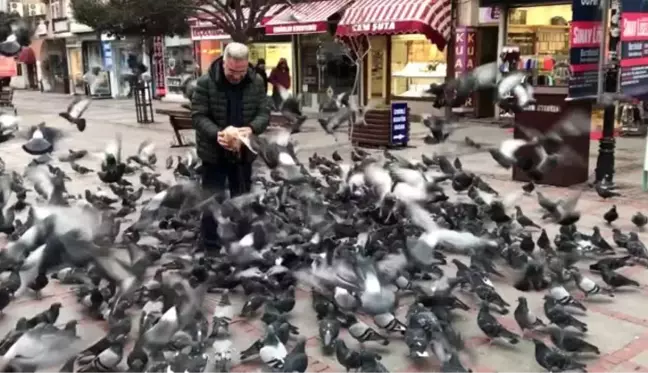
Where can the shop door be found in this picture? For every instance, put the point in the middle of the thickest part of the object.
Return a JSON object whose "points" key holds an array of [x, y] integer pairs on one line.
{"points": [[59, 73], [76, 70], [487, 53], [377, 73]]}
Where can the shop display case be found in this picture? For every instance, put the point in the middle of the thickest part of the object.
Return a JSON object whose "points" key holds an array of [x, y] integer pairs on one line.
{"points": [[415, 64], [544, 52], [416, 77]]}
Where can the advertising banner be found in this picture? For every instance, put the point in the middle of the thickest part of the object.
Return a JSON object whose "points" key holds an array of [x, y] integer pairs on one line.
{"points": [[585, 35], [466, 60], [634, 48], [399, 124]]}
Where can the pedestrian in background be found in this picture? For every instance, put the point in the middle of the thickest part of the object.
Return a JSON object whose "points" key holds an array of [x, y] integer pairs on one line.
{"points": [[260, 69], [229, 101], [279, 76]]}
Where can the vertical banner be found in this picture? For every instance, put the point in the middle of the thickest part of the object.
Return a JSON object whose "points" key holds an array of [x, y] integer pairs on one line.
{"points": [[466, 60], [585, 35], [634, 48], [107, 55], [158, 65]]}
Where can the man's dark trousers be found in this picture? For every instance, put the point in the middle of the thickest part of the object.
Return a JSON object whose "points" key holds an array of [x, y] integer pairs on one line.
{"points": [[237, 176]]}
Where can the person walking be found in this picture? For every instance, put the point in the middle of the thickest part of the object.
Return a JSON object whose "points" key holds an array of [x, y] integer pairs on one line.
{"points": [[279, 76], [261, 70], [227, 102]]}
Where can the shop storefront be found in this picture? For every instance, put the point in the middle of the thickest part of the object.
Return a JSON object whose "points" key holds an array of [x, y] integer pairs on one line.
{"points": [[97, 63], [312, 26], [179, 65], [55, 67], [325, 66], [407, 42], [209, 41], [119, 57], [26, 77], [272, 49]]}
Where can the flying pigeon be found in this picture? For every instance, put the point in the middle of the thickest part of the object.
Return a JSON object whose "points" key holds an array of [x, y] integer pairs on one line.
{"points": [[75, 111]]}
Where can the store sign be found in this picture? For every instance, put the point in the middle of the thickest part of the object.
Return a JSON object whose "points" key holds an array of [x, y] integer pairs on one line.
{"points": [[465, 59], [158, 65], [399, 124], [585, 37], [634, 48], [60, 26], [106, 48], [489, 14], [208, 33], [373, 27], [305, 28]]}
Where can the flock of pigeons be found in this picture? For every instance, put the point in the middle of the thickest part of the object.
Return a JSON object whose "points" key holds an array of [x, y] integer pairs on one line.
{"points": [[363, 236]]}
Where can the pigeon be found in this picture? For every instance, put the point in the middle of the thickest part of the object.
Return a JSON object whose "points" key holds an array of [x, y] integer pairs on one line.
{"points": [[42, 346], [554, 360], [290, 109], [41, 140], [570, 343], [639, 220], [363, 332], [611, 215], [616, 280], [524, 317], [75, 112], [605, 192], [19, 37], [492, 328], [8, 126]]}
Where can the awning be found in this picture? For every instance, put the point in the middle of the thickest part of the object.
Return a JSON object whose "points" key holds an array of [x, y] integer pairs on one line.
{"points": [[203, 20], [8, 67], [304, 18], [27, 56], [387, 17]]}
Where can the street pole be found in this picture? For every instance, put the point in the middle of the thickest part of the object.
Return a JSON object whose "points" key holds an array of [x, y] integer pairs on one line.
{"points": [[451, 55], [605, 160]]}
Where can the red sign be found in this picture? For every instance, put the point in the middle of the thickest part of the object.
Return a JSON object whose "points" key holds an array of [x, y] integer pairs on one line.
{"points": [[289, 29], [208, 33], [158, 65]]}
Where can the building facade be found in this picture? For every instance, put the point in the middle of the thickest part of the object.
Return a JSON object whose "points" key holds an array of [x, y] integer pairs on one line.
{"points": [[404, 48]]}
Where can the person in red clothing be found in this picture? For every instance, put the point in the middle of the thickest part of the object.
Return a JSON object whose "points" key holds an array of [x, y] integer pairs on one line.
{"points": [[279, 76]]}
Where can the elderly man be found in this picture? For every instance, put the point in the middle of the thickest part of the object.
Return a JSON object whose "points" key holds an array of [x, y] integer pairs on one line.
{"points": [[228, 102]]}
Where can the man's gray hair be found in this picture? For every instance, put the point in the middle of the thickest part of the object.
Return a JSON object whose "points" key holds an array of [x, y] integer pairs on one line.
{"points": [[236, 51]]}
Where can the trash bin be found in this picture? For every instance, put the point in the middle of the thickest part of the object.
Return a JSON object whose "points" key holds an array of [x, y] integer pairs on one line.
{"points": [[550, 107], [143, 103]]}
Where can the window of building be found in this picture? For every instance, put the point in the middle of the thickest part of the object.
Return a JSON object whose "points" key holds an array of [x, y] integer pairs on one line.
{"points": [[180, 66], [56, 9], [416, 63]]}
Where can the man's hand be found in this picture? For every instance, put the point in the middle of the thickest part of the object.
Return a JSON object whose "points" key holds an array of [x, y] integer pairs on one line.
{"points": [[227, 138]]}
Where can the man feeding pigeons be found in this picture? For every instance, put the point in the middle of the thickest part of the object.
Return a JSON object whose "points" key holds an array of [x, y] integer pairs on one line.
{"points": [[228, 104]]}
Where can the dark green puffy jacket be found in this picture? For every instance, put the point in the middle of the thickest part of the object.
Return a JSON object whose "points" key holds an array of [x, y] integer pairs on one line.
{"points": [[209, 110]]}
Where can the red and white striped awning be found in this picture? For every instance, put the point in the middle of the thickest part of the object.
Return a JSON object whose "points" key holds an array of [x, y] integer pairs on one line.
{"points": [[304, 18], [388, 17], [202, 20]]}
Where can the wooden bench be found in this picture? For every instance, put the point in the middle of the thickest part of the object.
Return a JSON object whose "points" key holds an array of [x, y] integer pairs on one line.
{"points": [[6, 99], [180, 120]]}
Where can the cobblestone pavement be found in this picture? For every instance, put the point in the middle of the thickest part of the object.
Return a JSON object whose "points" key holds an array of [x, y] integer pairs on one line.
{"points": [[619, 327]]}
